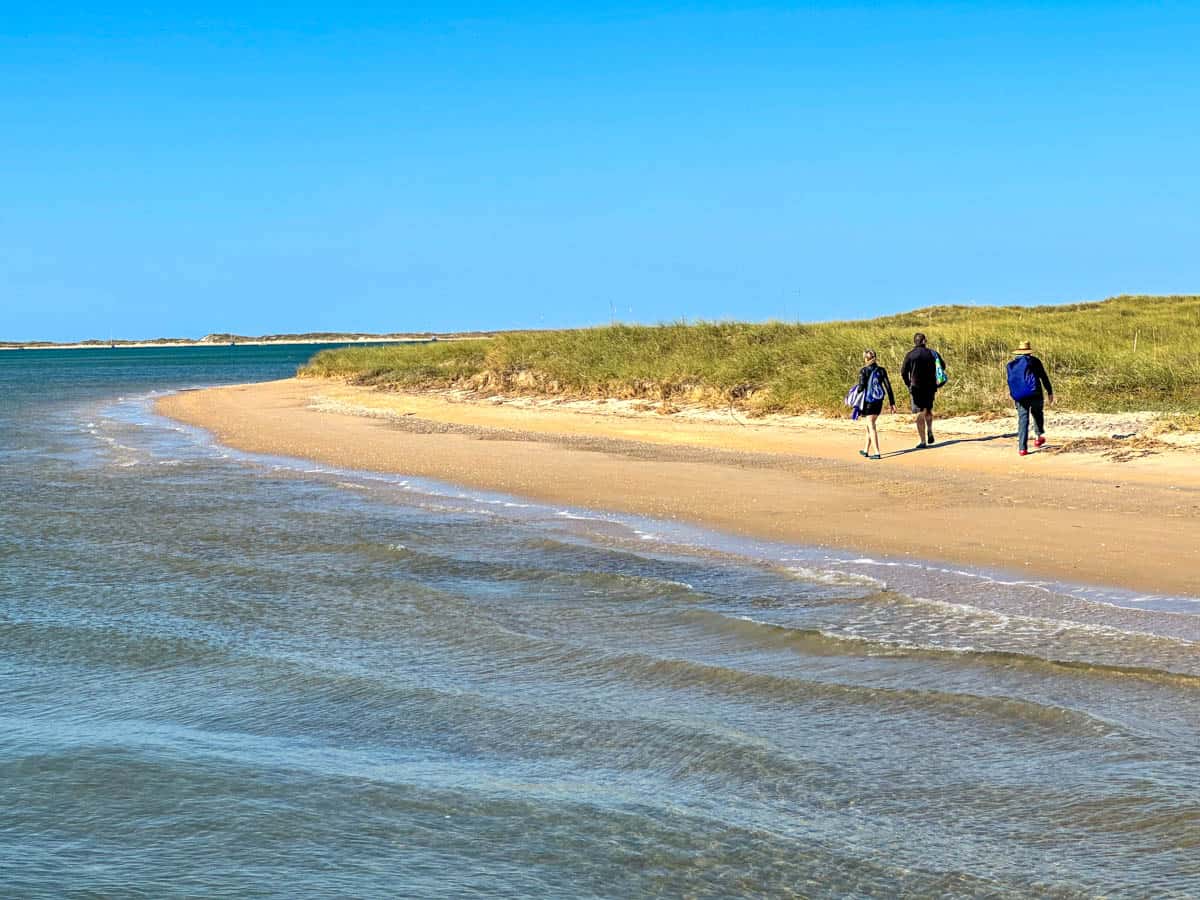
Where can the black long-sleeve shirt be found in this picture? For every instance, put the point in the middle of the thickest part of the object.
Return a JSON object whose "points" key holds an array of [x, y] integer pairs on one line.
{"points": [[864, 378], [919, 369]]}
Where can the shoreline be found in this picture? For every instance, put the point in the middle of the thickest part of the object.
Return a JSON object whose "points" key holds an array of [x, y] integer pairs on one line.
{"points": [[1077, 517]]}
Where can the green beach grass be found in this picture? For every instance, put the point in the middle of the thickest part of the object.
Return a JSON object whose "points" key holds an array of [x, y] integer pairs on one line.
{"points": [[1121, 354]]}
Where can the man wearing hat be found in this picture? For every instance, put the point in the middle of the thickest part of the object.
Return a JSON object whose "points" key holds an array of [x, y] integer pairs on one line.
{"points": [[1026, 376]]}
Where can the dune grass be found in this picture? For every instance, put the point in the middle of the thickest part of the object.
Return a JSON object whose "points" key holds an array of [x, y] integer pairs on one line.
{"points": [[1126, 353]]}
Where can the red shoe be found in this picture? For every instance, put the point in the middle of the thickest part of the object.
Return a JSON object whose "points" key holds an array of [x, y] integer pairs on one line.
{"points": [[1023, 452], [1041, 440]]}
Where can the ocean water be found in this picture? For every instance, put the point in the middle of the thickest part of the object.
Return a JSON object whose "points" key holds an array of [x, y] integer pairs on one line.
{"points": [[224, 675]]}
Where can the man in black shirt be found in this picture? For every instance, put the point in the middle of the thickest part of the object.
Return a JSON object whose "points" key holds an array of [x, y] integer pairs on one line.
{"points": [[919, 372], [1035, 404]]}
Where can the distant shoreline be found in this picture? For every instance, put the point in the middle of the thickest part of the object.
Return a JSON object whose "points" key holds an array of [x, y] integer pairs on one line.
{"points": [[238, 342]]}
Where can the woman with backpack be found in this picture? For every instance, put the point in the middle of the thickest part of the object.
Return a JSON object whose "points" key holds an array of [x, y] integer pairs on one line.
{"points": [[1026, 375], [873, 385]]}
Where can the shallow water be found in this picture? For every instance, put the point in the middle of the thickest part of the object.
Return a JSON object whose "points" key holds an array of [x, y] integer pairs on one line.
{"points": [[232, 676]]}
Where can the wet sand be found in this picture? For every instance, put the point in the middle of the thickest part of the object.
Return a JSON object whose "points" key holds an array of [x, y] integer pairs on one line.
{"points": [[1075, 516]]}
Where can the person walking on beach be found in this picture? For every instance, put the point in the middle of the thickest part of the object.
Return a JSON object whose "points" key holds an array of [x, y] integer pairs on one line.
{"points": [[873, 383], [919, 372], [1026, 377]]}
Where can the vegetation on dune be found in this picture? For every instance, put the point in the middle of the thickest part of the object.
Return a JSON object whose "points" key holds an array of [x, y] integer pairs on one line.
{"points": [[442, 364], [1126, 353]]}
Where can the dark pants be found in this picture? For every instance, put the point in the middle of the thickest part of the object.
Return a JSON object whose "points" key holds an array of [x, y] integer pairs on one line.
{"points": [[1034, 405]]}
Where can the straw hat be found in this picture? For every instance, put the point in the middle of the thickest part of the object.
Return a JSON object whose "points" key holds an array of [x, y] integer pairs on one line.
{"points": [[1022, 349]]}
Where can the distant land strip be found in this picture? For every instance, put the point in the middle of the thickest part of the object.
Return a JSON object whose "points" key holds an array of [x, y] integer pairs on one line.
{"points": [[223, 339]]}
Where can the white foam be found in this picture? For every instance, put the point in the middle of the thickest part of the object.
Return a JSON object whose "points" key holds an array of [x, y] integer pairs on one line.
{"points": [[837, 578], [564, 514]]}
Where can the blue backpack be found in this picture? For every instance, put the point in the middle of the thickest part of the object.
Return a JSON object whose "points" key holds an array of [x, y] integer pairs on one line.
{"points": [[858, 398], [1022, 383], [875, 389]]}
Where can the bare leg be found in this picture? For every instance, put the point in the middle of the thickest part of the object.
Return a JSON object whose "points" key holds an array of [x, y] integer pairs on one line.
{"points": [[921, 422], [928, 426], [872, 434]]}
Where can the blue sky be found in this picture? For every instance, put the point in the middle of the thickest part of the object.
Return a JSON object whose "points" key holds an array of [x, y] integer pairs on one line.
{"points": [[258, 168]]}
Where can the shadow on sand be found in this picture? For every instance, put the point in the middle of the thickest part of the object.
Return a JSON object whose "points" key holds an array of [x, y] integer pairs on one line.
{"points": [[942, 444]]}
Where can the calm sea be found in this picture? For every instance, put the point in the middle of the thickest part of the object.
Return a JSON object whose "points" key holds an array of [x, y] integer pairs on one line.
{"points": [[224, 675]]}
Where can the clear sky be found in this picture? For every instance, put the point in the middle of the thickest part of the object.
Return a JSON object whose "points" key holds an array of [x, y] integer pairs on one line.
{"points": [[260, 167]]}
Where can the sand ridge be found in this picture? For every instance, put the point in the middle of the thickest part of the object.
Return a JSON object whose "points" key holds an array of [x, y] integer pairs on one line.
{"points": [[1076, 516]]}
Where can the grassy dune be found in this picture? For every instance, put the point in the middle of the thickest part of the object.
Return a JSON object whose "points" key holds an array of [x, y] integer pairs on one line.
{"points": [[1126, 353]]}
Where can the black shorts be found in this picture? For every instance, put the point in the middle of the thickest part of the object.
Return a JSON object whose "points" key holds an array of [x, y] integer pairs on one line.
{"points": [[872, 409], [922, 398]]}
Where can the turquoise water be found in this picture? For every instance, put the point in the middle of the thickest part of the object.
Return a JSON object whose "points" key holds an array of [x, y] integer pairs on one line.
{"points": [[233, 676]]}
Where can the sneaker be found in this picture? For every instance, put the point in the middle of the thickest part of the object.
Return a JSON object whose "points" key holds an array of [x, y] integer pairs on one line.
{"points": [[920, 446], [1041, 439], [862, 452], [931, 438], [1023, 452], [873, 456]]}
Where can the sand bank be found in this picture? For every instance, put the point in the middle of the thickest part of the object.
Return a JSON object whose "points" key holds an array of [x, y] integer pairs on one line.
{"points": [[1071, 512]]}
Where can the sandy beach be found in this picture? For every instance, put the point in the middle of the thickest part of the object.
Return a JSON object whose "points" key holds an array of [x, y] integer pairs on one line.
{"points": [[1105, 503]]}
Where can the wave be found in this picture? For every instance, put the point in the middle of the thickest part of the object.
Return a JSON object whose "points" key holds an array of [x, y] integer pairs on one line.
{"points": [[836, 577], [837, 641]]}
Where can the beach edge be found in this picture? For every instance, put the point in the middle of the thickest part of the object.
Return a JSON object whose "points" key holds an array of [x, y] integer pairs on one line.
{"points": [[1066, 521]]}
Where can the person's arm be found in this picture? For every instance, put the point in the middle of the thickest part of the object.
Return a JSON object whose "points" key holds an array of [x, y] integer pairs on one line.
{"points": [[1040, 372], [906, 369], [887, 386], [863, 374]]}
